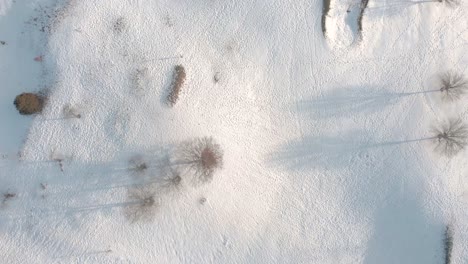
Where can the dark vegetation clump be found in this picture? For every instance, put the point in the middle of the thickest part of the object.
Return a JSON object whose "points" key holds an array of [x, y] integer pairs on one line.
{"points": [[448, 244], [176, 85], [172, 182], [325, 10], [29, 103], [451, 137], [362, 9], [7, 196], [203, 156], [119, 25]]}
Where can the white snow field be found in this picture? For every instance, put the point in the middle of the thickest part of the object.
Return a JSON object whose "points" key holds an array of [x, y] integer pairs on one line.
{"points": [[326, 151]]}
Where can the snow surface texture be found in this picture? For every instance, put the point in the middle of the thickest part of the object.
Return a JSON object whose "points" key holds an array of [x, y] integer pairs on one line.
{"points": [[4, 6], [324, 157]]}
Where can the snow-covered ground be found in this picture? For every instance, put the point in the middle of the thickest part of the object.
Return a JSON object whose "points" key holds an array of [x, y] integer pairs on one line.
{"points": [[325, 157]]}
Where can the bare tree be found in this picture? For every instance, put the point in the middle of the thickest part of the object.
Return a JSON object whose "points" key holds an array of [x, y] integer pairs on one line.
{"points": [[450, 138], [448, 244], [203, 156], [142, 204], [172, 181], [138, 165], [452, 85]]}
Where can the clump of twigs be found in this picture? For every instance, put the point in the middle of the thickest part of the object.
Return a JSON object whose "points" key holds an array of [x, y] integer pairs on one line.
{"points": [[451, 137], [137, 165], [142, 204], [7, 196], [176, 85], [452, 85], [70, 111], [172, 181], [119, 25], [203, 156], [448, 244]]}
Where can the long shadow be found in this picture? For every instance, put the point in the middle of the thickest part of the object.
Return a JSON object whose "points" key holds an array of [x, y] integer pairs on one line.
{"points": [[404, 233], [329, 152], [351, 101], [395, 7]]}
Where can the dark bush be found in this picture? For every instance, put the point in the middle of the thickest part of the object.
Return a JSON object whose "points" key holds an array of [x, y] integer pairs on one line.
{"points": [[176, 85], [29, 103]]}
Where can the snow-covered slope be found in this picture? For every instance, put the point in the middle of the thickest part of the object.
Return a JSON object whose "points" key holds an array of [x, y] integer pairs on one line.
{"points": [[325, 157]]}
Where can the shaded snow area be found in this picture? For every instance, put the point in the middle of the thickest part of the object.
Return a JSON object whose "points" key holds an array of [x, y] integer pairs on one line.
{"points": [[327, 138]]}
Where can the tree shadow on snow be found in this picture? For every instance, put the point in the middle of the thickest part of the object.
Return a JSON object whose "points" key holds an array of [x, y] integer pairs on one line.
{"points": [[404, 233], [330, 152], [350, 101]]}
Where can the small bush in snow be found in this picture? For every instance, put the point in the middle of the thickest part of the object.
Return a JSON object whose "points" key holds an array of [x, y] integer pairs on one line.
{"points": [[452, 85], [7, 196], [71, 112], [216, 77], [142, 204], [176, 85], [448, 244], [172, 182], [138, 165], [203, 156], [119, 25], [451, 137], [29, 103]]}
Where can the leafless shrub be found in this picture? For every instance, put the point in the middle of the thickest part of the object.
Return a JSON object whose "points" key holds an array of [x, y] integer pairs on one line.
{"points": [[450, 138], [216, 77], [448, 244], [71, 112], [7, 196], [171, 182], [202, 200], [138, 165], [142, 204], [452, 85], [119, 25], [177, 82], [203, 156]]}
